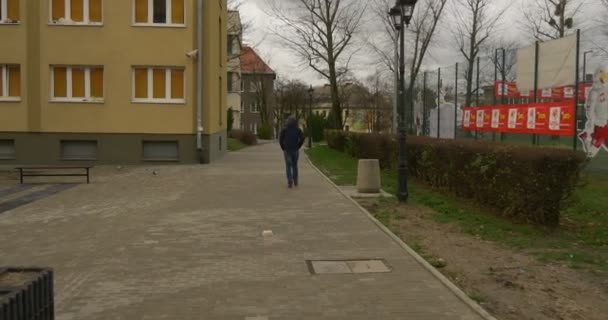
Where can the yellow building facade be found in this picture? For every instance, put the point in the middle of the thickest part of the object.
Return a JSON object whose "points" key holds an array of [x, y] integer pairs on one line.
{"points": [[112, 81]]}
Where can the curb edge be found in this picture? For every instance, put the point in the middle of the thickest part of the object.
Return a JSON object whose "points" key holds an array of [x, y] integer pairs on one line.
{"points": [[445, 281]]}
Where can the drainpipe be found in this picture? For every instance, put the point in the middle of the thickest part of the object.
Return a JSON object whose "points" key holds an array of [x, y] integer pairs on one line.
{"points": [[199, 82]]}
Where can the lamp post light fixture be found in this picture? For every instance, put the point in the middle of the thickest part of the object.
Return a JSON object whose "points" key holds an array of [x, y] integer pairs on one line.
{"points": [[310, 92], [401, 15]]}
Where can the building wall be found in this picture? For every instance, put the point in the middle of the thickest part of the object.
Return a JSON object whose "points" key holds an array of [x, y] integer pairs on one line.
{"points": [[36, 44], [234, 67], [249, 97], [214, 66], [13, 50]]}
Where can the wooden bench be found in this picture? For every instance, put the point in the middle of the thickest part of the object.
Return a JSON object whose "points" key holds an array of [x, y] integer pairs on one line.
{"points": [[35, 171]]}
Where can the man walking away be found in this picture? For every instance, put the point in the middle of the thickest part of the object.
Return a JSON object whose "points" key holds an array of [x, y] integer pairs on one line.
{"points": [[291, 140]]}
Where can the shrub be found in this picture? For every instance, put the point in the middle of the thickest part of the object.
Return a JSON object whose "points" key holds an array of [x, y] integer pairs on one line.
{"points": [[230, 119], [527, 184], [245, 137], [318, 124], [265, 132], [336, 139], [365, 146]]}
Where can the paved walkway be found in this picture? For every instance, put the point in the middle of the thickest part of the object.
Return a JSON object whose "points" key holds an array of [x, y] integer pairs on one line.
{"points": [[187, 244]]}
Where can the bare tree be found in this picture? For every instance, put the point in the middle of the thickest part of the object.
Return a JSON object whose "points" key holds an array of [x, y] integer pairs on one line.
{"points": [[476, 23], [422, 29], [321, 33], [510, 61], [383, 41], [377, 98], [291, 97], [551, 19]]}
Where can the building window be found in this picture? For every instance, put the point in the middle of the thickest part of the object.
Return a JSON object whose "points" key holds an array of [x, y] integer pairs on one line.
{"points": [[231, 39], [7, 150], [79, 150], [10, 82], [9, 11], [77, 83], [158, 85], [160, 150], [255, 107], [246, 85], [159, 12], [230, 81], [254, 128], [76, 12]]}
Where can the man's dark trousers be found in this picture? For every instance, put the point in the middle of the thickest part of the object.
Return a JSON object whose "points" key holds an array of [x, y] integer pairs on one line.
{"points": [[291, 164]]}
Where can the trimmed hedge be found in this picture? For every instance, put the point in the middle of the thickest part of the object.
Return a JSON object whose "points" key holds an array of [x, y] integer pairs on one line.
{"points": [[246, 137], [527, 184], [265, 132]]}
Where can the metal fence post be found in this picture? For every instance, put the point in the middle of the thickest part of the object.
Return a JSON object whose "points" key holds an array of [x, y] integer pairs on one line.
{"points": [[477, 90], [576, 89], [424, 105], [536, 58], [504, 80], [439, 103], [456, 103]]}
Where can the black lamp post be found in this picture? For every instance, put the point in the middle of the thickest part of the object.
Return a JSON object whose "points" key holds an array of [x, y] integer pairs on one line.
{"points": [[310, 92], [401, 14], [585, 65]]}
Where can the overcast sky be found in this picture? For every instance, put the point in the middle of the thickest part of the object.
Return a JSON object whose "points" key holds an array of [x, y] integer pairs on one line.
{"points": [[259, 34]]}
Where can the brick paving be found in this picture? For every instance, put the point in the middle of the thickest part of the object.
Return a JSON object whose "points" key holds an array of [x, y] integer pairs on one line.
{"points": [[187, 244]]}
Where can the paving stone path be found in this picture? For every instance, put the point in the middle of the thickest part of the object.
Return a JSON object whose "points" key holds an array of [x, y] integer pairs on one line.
{"points": [[187, 243]]}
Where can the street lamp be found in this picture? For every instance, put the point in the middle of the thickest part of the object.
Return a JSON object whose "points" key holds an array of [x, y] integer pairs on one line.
{"points": [[401, 15], [585, 65], [310, 92]]}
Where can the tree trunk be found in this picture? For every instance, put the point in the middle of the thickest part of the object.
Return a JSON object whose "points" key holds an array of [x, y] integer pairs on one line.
{"points": [[335, 97], [469, 95]]}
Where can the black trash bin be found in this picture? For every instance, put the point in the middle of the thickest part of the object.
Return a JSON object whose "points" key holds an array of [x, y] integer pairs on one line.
{"points": [[26, 294]]}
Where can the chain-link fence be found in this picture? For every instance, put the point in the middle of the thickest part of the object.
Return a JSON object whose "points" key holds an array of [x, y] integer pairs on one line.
{"points": [[491, 80]]}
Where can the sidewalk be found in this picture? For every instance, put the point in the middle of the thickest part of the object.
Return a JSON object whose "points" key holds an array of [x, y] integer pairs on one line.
{"points": [[187, 244]]}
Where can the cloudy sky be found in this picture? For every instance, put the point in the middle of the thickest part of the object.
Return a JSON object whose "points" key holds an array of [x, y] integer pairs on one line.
{"points": [[256, 14]]}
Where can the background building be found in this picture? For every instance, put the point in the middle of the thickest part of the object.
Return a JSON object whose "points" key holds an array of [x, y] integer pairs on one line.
{"points": [[258, 91], [235, 44], [123, 89]]}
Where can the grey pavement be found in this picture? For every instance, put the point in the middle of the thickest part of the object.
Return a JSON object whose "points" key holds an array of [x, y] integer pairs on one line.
{"points": [[187, 244]]}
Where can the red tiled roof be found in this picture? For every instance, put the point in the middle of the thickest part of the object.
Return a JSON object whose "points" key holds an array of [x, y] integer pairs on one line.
{"points": [[252, 63]]}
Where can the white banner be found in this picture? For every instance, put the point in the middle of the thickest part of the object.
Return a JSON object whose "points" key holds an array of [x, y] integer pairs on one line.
{"points": [[556, 65]]}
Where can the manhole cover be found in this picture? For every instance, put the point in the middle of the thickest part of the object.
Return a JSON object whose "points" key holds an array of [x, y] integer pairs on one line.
{"points": [[347, 266]]}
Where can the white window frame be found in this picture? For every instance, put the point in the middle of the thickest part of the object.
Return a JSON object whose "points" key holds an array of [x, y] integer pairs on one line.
{"points": [[254, 108], [4, 14], [87, 85], [67, 15], [5, 84], [151, 99], [168, 17]]}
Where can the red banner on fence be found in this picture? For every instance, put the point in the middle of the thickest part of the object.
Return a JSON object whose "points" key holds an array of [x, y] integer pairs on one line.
{"points": [[555, 118], [509, 90]]}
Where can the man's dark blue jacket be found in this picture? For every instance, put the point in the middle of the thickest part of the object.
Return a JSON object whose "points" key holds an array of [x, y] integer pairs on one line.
{"points": [[291, 137]]}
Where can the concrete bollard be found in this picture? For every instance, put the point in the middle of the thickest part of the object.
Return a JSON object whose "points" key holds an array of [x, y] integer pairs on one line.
{"points": [[368, 176]]}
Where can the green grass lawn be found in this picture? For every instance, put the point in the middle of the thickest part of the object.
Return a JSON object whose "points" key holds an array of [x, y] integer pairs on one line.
{"points": [[581, 241], [235, 145]]}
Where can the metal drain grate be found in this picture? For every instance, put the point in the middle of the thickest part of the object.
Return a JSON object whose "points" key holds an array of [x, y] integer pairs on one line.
{"points": [[347, 266]]}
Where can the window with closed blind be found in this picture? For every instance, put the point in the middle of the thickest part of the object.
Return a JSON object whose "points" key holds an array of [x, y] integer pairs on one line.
{"points": [[158, 85], [78, 150], [159, 12], [77, 83], [9, 11], [89, 12], [10, 82], [7, 149]]}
